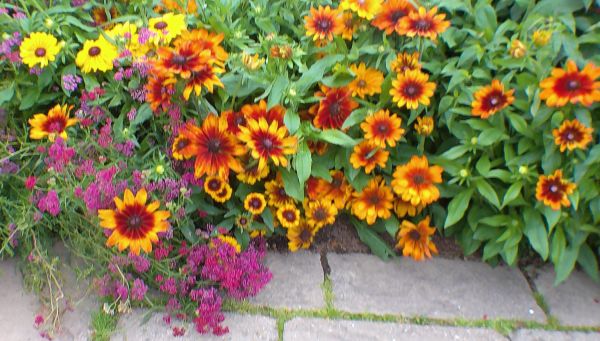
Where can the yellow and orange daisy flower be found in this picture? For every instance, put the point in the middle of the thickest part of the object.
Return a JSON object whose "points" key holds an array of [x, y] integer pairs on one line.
{"points": [[364, 8], [411, 88], [175, 5], [572, 134], [255, 203], [205, 40], [349, 25], [323, 23], [367, 81], [276, 193], [166, 28], [392, 11], [415, 181], [317, 147], [415, 240], [338, 190], [258, 111], [491, 99], [381, 128], [423, 23], [268, 141], [368, 154], [320, 213], [181, 60], [424, 125], [134, 224], [216, 149], [160, 90], [243, 221], [403, 208], [334, 108], [52, 125], [234, 119], [288, 215], [205, 76], [406, 61], [213, 185], [300, 236], [251, 173], [375, 201], [553, 190], [223, 195], [183, 148], [572, 86]]}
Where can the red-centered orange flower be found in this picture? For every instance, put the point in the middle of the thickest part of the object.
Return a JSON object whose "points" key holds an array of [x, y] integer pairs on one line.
{"points": [[402, 208], [334, 108], [323, 23], [319, 213], [381, 128], [181, 60], [258, 111], [388, 19], [183, 148], [255, 203], [423, 23], [405, 62], [375, 201], [572, 86], [100, 17], [160, 90], [364, 8], [234, 119], [411, 88], [415, 240], [268, 141], [205, 40], [553, 190], [251, 173], [491, 99], [415, 181], [338, 190], [134, 224], [367, 154], [204, 76], [572, 134], [174, 5], [367, 81], [216, 149], [349, 24], [276, 193], [288, 215], [300, 236], [54, 124]]}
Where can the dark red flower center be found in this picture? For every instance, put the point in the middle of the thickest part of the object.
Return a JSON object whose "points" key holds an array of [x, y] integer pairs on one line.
{"points": [[267, 143], [414, 235], [214, 184], [40, 52], [362, 83], [305, 235], [161, 25], [382, 128], [572, 135], [396, 15], [281, 192], [214, 145], [324, 24], [255, 203], [179, 60], [243, 221], [289, 215], [412, 90], [334, 109], [374, 199], [55, 124], [422, 25], [553, 189], [320, 214], [182, 143], [94, 51], [573, 85], [336, 183], [134, 221]]}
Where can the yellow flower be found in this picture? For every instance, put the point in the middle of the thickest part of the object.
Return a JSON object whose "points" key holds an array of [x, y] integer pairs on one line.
{"points": [[320, 212], [52, 125], [518, 49], [300, 236], [39, 48], [411, 88], [96, 55], [367, 81], [255, 203], [288, 215], [541, 37], [415, 240], [252, 62], [382, 128], [424, 125], [167, 27], [415, 181], [375, 201], [364, 8]]}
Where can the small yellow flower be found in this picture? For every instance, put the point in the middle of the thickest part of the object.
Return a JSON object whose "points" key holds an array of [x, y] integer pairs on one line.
{"points": [[541, 37], [518, 49], [424, 125], [252, 62]]}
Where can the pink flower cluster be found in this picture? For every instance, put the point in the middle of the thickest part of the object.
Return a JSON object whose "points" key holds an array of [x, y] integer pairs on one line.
{"points": [[49, 203], [59, 155], [111, 284]]}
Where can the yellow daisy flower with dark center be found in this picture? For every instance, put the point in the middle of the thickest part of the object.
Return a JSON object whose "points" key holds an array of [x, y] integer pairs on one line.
{"points": [[367, 81], [320, 213], [39, 49], [338, 190], [166, 28], [381, 128], [368, 154], [276, 193], [52, 125], [349, 25], [491, 99], [252, 173], [255, 203], [323, 23], [96, 55], [411, 88], [223, 195], [424, 125], [415, 181], [243, 221], [415, 240], [405, 62], [364, 8], [300, 236], [572, 134], [374, 201], [213, 185], [268, 141], [134, 224], [553, 190], [183, 148], [288, 215], [423, 23]]}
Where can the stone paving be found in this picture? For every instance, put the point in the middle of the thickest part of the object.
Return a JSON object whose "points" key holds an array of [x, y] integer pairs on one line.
{"points": [[364, 299]]}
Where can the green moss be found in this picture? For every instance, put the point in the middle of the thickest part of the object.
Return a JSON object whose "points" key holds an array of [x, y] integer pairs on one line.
{"points": [[103, 325]]}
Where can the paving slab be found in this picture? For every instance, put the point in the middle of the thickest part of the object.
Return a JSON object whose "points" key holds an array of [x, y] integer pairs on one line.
{"points": [[296, 282], [302, 329], [241, 327], [575, 302], [545, 335], [437, 288]]}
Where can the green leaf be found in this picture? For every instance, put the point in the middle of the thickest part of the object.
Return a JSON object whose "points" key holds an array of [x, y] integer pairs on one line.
{"points": [[488, 192], [457, 207], [357, 116], [30, 98], [188, 232], [267, 216], [536, 232], [392, 225], [491, 136], [455, 152], [291, 184], [316, 72], [277, 89], [7, 94], [291, 121], [337, 137], [512, 193], [373, 241], [143, 113], [302, 163], [587, 260], [566, 264], [552, 217]]}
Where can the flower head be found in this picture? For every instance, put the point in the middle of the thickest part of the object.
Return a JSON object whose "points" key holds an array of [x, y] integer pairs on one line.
{"points": [[491, 99], [403, 208], [423, 23], [364, 8], [323, 23], [259, 110], [288, 215], [552, 190], [96, 55], [276, 193], [213, 185], [338, 190], [54, 124], [517, 49], [541, 37], [268, 142], [374, 201], [411, 88], [300, 236], [368, 154], [381, 128], [334, 108], [415, 181], [367, 81], [39, 49], [134, 224], [388, 19], [572, 86], [424, 125], [349, 25], [183, 148], [320, 213], [160, 90], [255, 203], [405, 61], [415, 240], [572, 134], [166, 28]]}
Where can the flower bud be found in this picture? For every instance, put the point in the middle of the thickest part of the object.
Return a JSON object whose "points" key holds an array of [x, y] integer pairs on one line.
{"points": [[48, 23], [463, 173], [474, 140], [517, 49], [541, 37], [523, 170]]}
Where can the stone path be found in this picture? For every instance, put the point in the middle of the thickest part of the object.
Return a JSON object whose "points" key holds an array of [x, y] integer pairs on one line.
{"points": [[362, 298]]}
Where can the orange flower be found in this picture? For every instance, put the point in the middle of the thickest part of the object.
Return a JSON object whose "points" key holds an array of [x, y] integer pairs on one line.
{"points": [[415, 241], [338, 190], [491, 99], [402, 208], [368, 154], [181, 60], [205, 40], [334, 108], [367, 81], [349, 25], [375, 201], [388, 19], [255, 203], [268, 141], [213, 185], [423, 23], [424, 125], [381, 128], [572, 134], [552, 190], [234, 119], [183, 148], [411, 88], [52, 125], [276, 193], [251, 173], [258, 111], [174, 5], [572, 86], [134, 224], [300, 236], [405, 62], [160, 90], [415, 181], [204, 76], [364, 8], [323, 23], [288, 215], [216, 149], [319, 213]]}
